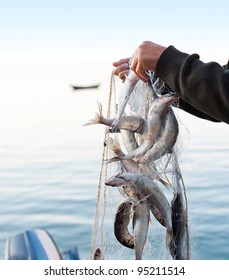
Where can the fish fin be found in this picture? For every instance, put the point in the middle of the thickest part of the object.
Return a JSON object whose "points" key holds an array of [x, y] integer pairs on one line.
{"points": [[95, 120], [170, 243], [173, 249], [100, 107], [98, 116], [169, 237], [165, 183], [150, 221], [113, 144]]}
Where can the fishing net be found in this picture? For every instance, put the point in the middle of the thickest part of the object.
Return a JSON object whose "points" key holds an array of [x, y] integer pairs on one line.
{"points": [[109, 198]]}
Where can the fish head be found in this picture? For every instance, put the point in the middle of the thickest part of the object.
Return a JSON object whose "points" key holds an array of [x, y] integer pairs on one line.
{"points": [[98, 254], [121, 179], [116, 181], [162, 102], [167, 100]]}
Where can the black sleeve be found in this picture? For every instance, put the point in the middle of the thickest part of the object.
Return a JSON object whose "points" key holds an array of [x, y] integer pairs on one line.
{"points": [[194, 111], [203, 87]]}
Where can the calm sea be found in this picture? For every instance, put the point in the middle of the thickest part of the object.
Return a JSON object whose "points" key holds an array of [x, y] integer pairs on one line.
{"points": [[50, 162]]}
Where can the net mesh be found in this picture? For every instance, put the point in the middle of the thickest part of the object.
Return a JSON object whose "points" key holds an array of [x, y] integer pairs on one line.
{"points": [[109, 198]]}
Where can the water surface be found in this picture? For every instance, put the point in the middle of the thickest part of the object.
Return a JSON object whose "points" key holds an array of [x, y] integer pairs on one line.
{"points": [[50, 164]]}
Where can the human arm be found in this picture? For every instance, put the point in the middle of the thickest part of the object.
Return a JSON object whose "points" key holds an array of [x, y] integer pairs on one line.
{"points": [[203, 88]]}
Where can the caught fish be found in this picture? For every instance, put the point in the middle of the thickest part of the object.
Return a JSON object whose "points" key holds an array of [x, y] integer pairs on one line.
{"points": [[132, 140], [98, 255], [129, 84], [133, 167], [179, 222], [140, 226], [157, 214], [149, 189], [166, 140], [148, 130], [131, 123], [132, 193], [122, 220], [129, 140], [154, 123]]}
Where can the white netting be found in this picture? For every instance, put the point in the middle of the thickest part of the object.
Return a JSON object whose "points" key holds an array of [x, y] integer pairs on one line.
{"points": [[110, 197]]}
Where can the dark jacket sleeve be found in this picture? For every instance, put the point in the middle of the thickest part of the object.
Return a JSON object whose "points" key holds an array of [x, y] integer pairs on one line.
{"points": [[203, 87]]}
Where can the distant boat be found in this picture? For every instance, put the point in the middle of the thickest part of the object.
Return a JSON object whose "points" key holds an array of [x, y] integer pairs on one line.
{"points": [[85, 87]]}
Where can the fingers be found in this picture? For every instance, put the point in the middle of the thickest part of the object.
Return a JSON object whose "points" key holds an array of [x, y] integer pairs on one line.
{"points": [[141, 73], [122, 75], [137, 67], [122, 68], [121, 61]]}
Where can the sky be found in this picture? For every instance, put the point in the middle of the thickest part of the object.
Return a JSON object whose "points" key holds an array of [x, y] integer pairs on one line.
{"points": [[71, 30]]}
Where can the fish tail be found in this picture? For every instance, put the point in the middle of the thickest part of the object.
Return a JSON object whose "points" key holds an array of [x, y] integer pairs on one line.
{"points": [[138, 256], [169, 238], [100, 107], [170, 244], [95, 120], [113, 145], [98, 116]]}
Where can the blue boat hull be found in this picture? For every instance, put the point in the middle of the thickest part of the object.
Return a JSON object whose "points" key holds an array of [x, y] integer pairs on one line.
{"points": [[36, 244]]}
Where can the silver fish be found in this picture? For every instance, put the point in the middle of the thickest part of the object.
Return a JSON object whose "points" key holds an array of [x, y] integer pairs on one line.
{"points": [[140, 226], [129, 140], [157, 214], [129, 84], [179, 222], [166, 140], [122, 220], [155, 119], [132, 193], [133, 167], [149, 189], [131, 123]]}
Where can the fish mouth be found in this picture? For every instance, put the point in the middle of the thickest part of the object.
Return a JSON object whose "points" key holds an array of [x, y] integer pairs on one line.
{"points": [[171, 98], [115, 181]]}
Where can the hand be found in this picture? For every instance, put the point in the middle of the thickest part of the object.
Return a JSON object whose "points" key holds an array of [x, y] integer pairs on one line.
{"points": [[122, 67], [145, 58]]}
